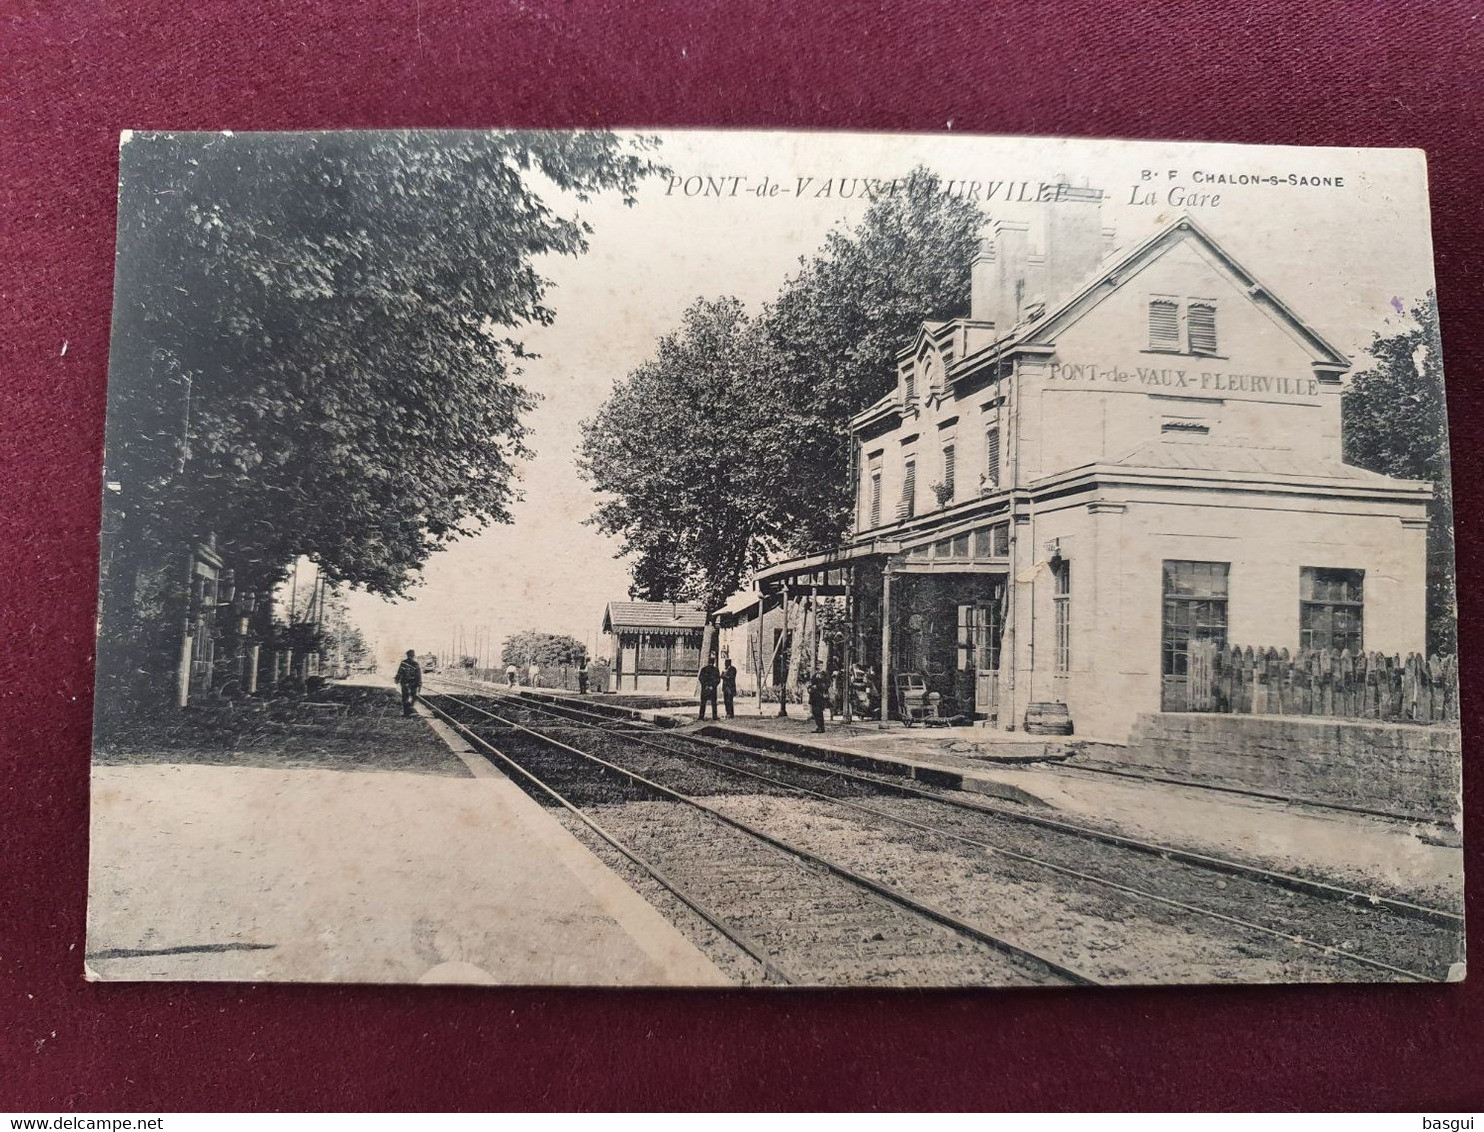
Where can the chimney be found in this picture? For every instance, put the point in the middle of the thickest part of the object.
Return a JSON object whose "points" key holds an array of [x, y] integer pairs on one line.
{"points": [[1003, 274], [1076, 240], [1008, 278]]}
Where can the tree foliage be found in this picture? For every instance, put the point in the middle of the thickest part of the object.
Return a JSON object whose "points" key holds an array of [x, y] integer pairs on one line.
{"points": [[732, 444], [548, 650], [675, 449], [316, 342], [1395, 421], [837, 327]]}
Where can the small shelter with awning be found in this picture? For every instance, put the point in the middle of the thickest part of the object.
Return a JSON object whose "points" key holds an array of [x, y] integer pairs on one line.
{"points": [[654, 646]]}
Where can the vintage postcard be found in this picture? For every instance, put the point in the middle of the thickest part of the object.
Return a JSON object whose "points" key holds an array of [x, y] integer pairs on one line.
{"points": [[763, 559]]}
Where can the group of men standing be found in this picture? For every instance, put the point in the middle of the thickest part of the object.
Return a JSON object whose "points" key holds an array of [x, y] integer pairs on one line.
{"points": [[723, 678]]}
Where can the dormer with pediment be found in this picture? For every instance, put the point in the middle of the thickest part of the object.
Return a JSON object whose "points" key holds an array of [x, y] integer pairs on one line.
{"points": [[925, 368]]}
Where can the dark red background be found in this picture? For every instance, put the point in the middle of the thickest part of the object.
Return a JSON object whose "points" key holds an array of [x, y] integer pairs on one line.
{"points": [[75, 73]]}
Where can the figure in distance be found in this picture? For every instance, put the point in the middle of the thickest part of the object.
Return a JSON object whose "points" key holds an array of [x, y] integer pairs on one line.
{"points": [[410, 678]]}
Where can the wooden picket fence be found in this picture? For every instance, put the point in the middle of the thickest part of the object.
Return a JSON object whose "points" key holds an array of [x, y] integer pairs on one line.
{"points": [[1324, 682]]}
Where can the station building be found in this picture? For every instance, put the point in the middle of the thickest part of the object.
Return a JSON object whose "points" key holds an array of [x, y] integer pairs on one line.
{"points": [[1116, 454], [654, 646]]}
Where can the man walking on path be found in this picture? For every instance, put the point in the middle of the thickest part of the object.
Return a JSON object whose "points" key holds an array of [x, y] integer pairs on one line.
{"points": [[511, 672], [729, 686], [533, 674], [582, 677], [410, 677], [710, 678]]}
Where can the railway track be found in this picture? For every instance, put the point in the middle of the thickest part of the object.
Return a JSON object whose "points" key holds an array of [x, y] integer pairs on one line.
{"points": [[801, 918], [1270, 925]]}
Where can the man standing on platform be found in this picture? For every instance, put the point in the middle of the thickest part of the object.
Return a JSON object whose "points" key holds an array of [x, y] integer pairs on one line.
{"points": [[511, 672], [819, 695], [410, 677], [729, 686], [710, 678]]}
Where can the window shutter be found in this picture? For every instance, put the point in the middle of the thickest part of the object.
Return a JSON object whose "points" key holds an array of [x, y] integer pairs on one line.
{"points": [[1164, 324], [1201, 322], [909, 491], [992, 457], [948, 469], [909, 386], [875, 499]]}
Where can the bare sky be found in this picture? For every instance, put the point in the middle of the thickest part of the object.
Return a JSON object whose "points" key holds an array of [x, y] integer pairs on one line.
{"points": [[1343, 257]]}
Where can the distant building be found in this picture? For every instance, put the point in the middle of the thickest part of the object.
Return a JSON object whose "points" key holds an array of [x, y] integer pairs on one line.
{"points": [[1113, 457], [654, 646]]}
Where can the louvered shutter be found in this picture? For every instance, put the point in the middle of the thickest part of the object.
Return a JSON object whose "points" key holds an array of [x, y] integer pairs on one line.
{"points": [[948, 469], [908, 506], [875, 499], [1164, 324], [992, 457], [1201, 322]]}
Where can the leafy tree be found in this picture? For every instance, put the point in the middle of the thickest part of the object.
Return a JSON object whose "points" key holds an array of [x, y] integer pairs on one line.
{"points": [[1395, 421], [837, 327], [549, 650], [675, 450], [314, 349], [732, 445]]}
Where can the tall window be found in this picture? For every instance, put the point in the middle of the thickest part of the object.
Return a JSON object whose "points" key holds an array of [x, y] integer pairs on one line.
{"points": [[948, 472], [1194, 610], [1331, 609], [909, 386], [992, 457], [1061, 574], [875, 499], [908, 506], [980, 628]]}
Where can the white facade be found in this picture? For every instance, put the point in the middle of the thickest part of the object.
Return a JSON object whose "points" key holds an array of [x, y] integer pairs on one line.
{"points": [[1055, 462]]}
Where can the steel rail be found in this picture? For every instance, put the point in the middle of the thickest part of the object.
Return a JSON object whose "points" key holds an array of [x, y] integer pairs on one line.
{"points": [[1195, 909], [1440, 917], [753, 949], [889, 894]]}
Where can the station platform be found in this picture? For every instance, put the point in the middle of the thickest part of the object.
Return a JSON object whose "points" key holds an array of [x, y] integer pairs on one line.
{"points": [[1410, 860], [360, 874]]}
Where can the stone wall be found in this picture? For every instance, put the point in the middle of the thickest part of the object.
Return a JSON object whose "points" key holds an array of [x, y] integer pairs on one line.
{"points": [[1390, 767]]}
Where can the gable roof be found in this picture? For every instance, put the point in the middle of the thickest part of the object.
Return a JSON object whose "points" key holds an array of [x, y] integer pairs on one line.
{"points": [[653, 616], [1329, 362], [1123, 264]]}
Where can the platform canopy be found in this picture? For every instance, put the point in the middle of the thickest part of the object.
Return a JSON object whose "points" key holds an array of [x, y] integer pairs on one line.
{"points": [[825, 574]]}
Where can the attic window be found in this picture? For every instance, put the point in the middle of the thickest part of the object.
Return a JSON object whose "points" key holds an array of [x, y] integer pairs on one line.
{"points": [[1200, 321], [1185, 327], [909, 386], [1164, 324]]}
